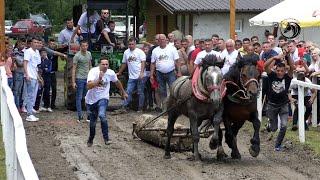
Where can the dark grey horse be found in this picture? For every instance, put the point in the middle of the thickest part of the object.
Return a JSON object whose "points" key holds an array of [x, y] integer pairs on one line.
{"points": [[197, 110]]}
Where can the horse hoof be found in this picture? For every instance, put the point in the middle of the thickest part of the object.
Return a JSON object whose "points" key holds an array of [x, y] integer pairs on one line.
{"points": [[213, 144], [253, 153], [166, 156], [235, 156]]}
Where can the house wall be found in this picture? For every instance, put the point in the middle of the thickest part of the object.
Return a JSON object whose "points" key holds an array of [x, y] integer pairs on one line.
{"points": [[153, 10], [204, 25]]}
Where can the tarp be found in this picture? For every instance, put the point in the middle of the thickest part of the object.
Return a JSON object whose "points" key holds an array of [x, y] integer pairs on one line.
{"points": [[305, 12]]}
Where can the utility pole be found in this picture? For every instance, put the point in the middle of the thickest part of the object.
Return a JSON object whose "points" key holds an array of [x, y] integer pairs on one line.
{"points": [[232, 18], [2, 29]]}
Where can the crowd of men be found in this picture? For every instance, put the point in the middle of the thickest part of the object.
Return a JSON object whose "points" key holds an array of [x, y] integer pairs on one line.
{"points": [[31, 68]]}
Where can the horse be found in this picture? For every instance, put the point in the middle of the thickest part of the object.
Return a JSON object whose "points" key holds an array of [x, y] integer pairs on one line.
{"points": [[240, 104], [185, 98]]}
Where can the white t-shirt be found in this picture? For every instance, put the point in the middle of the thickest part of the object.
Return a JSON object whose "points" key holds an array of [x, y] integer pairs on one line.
{"points": [[294, 88], [97, 93], [33, 58], [203, 54], [295, 55], [277, 49], [165, 58], [133, 59], [190, 49], [92, 20], [230, 59], [315, 66]]}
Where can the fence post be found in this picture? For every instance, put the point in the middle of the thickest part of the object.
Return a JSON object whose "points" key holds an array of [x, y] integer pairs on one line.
{"points": [[314, 105], [301, 113]]}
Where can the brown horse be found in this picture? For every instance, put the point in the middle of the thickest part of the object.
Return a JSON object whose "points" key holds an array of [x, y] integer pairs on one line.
{"points": [[240, 104], [183, 98]]}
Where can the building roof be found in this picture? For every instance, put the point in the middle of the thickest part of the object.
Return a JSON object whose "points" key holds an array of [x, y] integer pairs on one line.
{"points": [[176, 6]]}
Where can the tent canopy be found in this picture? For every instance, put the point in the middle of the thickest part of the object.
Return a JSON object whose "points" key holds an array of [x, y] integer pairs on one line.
{"points": [[302, 11]]}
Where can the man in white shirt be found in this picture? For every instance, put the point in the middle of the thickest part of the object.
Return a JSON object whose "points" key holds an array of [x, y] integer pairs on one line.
{"points": [[171, 39], [293, 50], [164, 58], [65, 35], [83, 25], [97, 97], [273, 44], [31, 60], [135, 59], [207, 50], [229, 55]]}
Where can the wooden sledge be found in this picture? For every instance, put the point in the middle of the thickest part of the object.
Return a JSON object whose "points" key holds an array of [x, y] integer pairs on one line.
{"points": [[155, 133]]}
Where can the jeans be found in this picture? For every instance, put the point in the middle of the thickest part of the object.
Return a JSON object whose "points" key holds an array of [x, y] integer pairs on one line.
{"points": [[132, 84], [80, 93], [38, 98], [148, 93], [18, 87], [31, 89], [53, 89], [10, 82], [164, 79], [96, 110], [307, 112], [46, 89], [272, 113]]}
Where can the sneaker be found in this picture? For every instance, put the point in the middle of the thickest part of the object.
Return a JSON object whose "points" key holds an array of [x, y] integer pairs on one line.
{"points": [[88, 120], [49, 110], [278, 148], [89, 143], [42, 109], [107, 142], [35, 111], [294, 127], [24, 110], [32, 118]]}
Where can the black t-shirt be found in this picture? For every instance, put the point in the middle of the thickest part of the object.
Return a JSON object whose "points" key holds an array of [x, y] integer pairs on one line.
{"points": [[278, 88], [100, 25], [148, 57]]}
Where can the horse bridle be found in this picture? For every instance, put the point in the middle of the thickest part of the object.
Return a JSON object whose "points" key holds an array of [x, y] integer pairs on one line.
{"points": [[244, 85]]}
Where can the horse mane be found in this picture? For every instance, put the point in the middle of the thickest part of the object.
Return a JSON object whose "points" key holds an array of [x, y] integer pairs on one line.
{"points": [[211, 60], [234, 71]]}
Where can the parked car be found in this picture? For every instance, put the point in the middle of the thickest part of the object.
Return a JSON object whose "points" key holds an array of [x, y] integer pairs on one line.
{"points": [[43, 20], [8, 26], [26, 27]]}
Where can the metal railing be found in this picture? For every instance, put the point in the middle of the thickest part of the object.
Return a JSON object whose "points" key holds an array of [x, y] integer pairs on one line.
{"points": [[301, 86], [18, 162]]}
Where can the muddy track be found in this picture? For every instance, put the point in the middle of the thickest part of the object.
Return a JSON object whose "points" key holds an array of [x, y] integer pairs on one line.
{"points": [[57, 145]]}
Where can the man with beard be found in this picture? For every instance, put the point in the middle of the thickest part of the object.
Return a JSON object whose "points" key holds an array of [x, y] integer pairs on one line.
{"points": [[66, 33]]}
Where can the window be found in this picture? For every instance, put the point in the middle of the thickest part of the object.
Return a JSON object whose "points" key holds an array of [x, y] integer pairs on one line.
{"points": [[238, 25]]}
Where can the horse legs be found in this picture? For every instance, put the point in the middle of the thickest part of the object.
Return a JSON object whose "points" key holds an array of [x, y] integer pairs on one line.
{"points": [[195, 137], [172, 117], [220, 152], [255, 141], [231, 140], [217, 118]]}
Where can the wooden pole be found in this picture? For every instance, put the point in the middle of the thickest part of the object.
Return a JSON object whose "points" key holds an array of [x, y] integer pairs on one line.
{"points": [[2, 30], [232, 18]]}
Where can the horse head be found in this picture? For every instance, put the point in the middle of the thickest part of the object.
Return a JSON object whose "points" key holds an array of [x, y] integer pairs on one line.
{"points": [[213, 78], [249, 75]]}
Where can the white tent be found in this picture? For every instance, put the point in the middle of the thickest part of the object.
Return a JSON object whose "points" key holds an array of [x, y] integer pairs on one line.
{"points": [[305, 12]]}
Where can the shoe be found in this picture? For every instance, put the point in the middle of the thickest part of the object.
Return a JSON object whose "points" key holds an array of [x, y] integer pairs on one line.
{"points": [[294, 127], [49, 110], [35, 111], [54, 107], [107, 142], [89, 143], [278, 148], [157, 109], [24, 110], [32, 118], [88, 120], [42, 109]]}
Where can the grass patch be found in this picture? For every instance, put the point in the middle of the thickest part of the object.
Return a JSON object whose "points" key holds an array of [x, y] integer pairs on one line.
{"points": [[2, 157], [312, 137]]}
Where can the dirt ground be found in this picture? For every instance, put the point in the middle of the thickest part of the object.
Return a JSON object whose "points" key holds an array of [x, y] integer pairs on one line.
{"points": [[57, 146]]}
